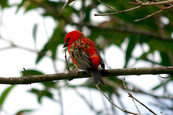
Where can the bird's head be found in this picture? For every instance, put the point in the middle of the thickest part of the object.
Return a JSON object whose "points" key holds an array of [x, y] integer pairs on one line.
{"points": [[71, 37]]}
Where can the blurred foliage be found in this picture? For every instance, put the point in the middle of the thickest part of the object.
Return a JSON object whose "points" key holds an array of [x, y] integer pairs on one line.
{"points": [[114, 31], [4, 95], [22, 112]]}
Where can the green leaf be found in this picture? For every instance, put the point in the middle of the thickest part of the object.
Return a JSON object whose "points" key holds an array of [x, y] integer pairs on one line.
{"points": [[41, 93], [21, 112], [144, 57], [5, 94], [87, 13], [30, 6], [50, 84], [156, 87], [4, 3], [41, 54], [165, 59], [161, 45], [129, 50], [31, 72], [34, 33], [20, 5], [67, 3], [27, 6]]}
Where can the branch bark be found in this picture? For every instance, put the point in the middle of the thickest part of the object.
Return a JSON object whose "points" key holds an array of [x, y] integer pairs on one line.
{"points": [[152, 3], [82, 74]]}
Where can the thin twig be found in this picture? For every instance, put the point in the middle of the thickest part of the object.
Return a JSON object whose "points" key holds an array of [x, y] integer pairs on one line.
{"points": [[66, 61], [106, 107], [130, 95], [108, 6], [138, 1], [114, 103], [6, 48], [67, 3], [29, 76], [135, 89], [151, 3], [26, 72], [150, 15], [118, 12]]}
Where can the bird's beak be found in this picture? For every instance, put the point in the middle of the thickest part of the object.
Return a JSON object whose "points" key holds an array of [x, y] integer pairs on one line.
{"points": [[65, 44]]}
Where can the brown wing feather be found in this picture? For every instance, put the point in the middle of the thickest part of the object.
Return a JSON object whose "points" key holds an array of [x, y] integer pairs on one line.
{"points": [[82, 59], [93, 44]]}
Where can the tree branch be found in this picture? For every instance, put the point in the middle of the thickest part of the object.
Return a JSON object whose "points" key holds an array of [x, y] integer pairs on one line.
{"points": [[82, 74], [114, 103], [152, 3], [140, 3], [150, 15], [133, 98], [118, 12], [53, 10]]}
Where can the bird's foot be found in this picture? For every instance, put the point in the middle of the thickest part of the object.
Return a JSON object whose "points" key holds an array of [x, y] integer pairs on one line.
{"points": [[76, 70]]}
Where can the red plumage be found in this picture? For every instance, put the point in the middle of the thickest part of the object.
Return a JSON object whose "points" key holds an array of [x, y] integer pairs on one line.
{"points": [[84, 54]]}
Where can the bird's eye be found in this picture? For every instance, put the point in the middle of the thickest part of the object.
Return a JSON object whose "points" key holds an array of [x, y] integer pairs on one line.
{"points": [[68, 39]]}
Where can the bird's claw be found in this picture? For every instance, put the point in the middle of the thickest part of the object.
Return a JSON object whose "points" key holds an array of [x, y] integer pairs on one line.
{"points": [[76, 70]]}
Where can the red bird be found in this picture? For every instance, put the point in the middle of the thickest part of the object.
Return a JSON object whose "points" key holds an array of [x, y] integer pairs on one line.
{"points": [[84, 54]]}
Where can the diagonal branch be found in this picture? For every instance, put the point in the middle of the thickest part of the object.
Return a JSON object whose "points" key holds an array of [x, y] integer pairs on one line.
{"points": [[118, 12], [151, 3], [133, 98], [114, 103], [107, 6], [150, 15], [82, 74], [140, 3]]}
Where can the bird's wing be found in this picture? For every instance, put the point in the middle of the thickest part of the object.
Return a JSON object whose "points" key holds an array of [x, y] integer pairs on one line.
{"points": [[82, 58], [93, 44]]}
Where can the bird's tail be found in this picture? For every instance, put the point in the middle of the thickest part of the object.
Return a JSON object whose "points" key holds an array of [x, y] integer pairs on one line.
{"points": [[96, 78]]}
